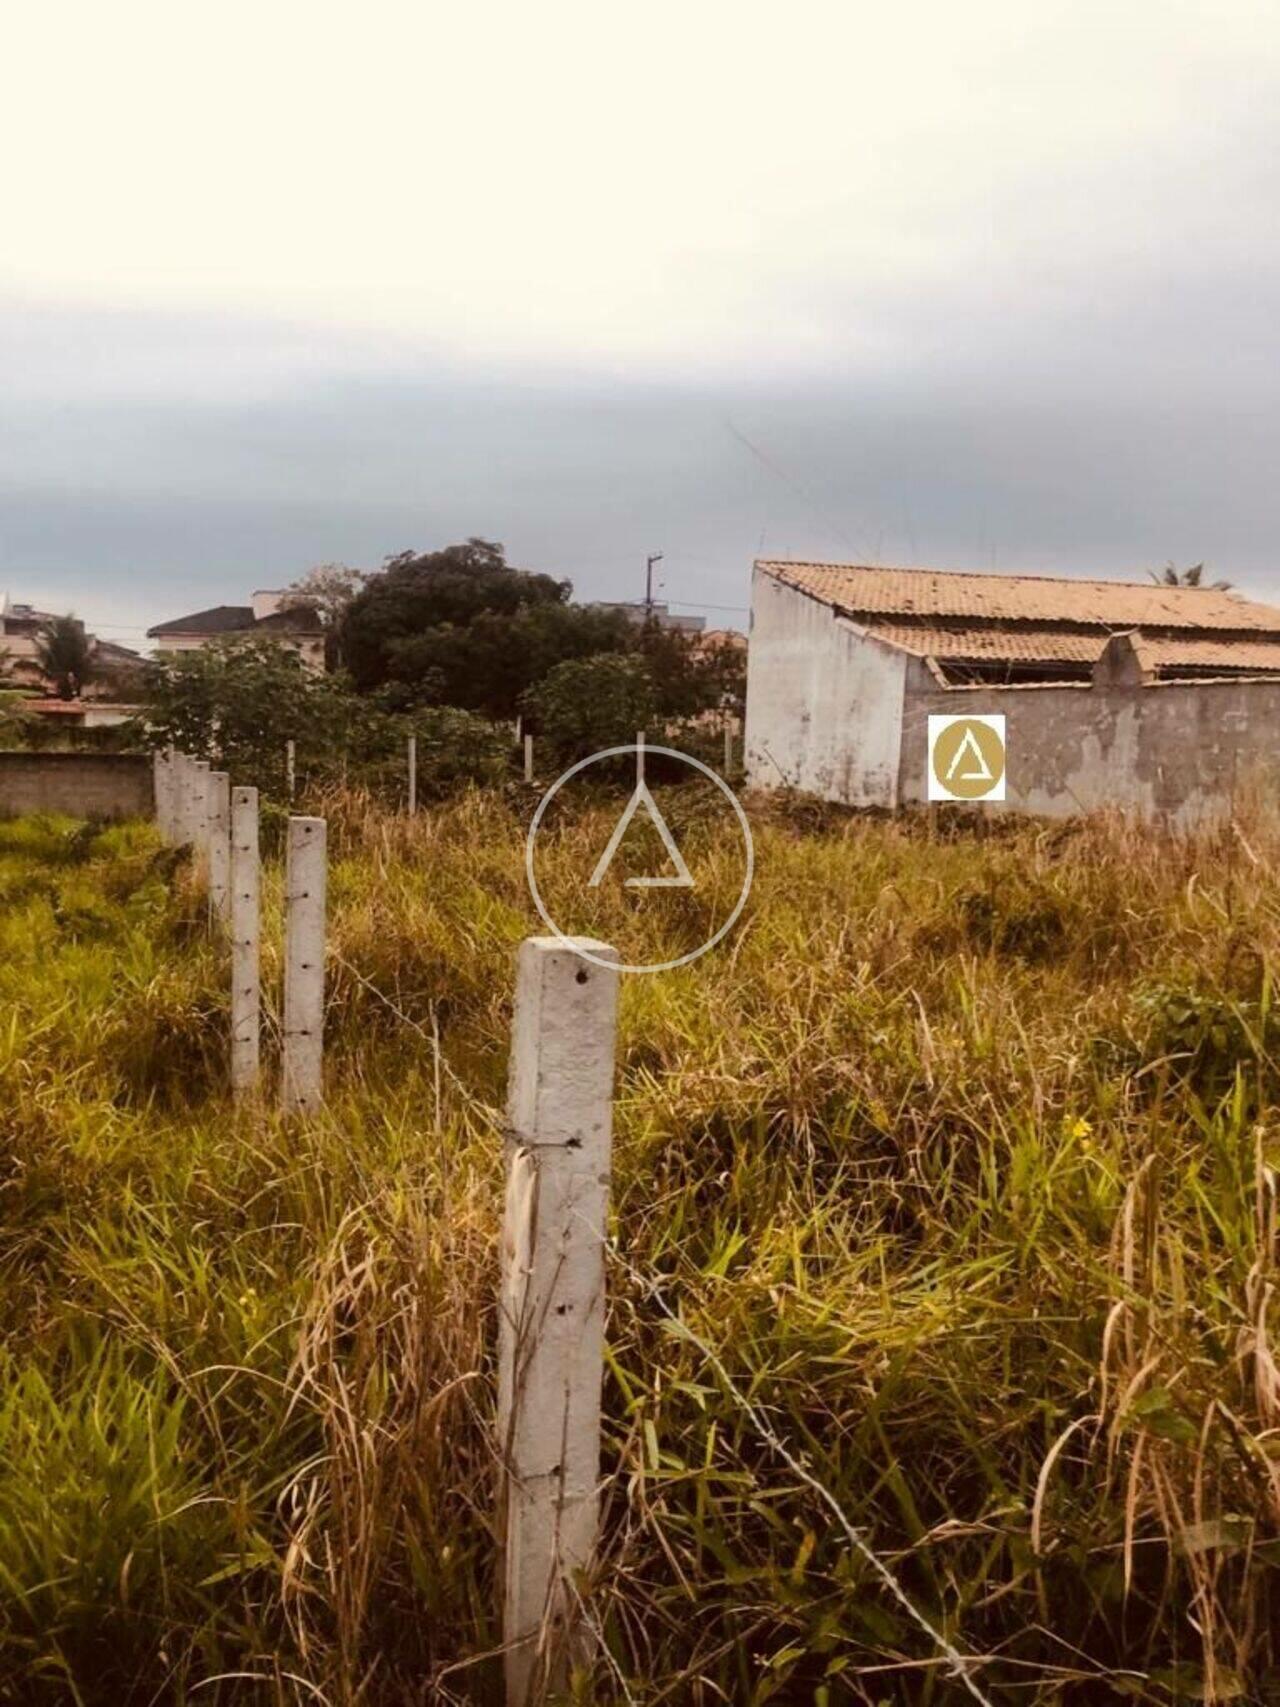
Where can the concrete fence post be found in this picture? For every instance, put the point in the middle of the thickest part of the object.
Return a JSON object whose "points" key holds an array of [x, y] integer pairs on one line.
{"points": [[246, 996], [528, 758], [551, 1316], [728, 746], [200, 813], [305, 879], [180, 797], [162, 785], [174, 795], [413, 774], [219, 847], [290, 768]]}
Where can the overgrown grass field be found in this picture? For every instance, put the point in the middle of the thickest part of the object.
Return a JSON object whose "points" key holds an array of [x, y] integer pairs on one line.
{"points": [[945, 1232]]}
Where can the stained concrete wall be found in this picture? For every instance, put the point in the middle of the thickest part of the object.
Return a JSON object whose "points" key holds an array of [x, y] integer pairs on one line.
{"points": [[824, 702], [1175, 750], [79, 785], [834, 712]]}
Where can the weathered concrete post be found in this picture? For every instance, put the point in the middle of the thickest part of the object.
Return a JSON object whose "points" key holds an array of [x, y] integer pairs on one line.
{"points": [[728, 746], [162, 785], [305, 879], [200, 812], [181, 797], [219, 847], [551, 1316], [413, 774], [245, 936], [290, 767], [174, 795], [528, 758]]}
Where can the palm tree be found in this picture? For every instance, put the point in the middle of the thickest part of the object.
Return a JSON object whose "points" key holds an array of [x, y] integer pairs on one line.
{"points": [[64, 653], [1172, 576]]}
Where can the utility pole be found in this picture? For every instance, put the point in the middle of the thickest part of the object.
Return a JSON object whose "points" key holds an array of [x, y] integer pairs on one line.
{"points": [[648, 584]]}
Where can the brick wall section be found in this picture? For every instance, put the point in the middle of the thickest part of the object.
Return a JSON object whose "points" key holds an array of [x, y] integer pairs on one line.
{"points": [[79, 785]]}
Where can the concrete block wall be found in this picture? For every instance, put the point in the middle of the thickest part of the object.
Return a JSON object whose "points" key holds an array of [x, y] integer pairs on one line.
{"points": [[1180, 751], [78, 785]]}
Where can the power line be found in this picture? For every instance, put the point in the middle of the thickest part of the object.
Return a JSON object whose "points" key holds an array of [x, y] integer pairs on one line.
{"points": [[793, 486]]}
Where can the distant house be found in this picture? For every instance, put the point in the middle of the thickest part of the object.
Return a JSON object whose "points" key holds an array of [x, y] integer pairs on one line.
{"points": [[80, 713], [298, 627], [116, 669], [1156, 698], [639, 612]]}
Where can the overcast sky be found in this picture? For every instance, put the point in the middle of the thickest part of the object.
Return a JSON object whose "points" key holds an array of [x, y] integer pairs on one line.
{"points": [[965, 286]]}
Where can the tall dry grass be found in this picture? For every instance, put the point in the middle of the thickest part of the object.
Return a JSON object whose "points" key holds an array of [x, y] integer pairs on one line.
{"points": [[944, 1227]]}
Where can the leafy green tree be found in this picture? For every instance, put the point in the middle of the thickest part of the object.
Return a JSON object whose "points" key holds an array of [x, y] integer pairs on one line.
{"points": [[239, 702], [454, 748], [585, 704], [692, 675], [416, 594], [64, 653], [16, 725], [488, 663], [328, 589]]}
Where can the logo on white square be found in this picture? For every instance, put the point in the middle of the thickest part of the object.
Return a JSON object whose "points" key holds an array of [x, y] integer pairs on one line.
{"points": [[966, 756]]}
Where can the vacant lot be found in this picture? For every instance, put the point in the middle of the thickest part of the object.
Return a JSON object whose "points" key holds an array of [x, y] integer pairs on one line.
{"points": [[944, 1202]]}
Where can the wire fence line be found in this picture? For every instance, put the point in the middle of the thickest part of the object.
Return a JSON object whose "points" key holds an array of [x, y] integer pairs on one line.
{"points": [[650, 1285], [552, 1604]]}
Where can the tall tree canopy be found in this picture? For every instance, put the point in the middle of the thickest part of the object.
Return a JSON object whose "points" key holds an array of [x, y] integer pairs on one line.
{"points": [[461, 627], [416, 596]]}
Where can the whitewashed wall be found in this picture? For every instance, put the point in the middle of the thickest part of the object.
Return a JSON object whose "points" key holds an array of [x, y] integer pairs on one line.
{"points": [[824, 701]]}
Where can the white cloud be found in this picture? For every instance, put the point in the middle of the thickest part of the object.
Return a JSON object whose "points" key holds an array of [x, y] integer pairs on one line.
{"points": [[703, 184]]}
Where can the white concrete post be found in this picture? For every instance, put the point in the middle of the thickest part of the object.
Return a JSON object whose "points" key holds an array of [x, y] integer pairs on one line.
{"points": [[173, 795], [290, 767], [528, 758], [219, 847], [161, 782], [519, 730], [200, 812], [413, 774], [181, 798], [551, 1316], [245, 936], [304, 966]]}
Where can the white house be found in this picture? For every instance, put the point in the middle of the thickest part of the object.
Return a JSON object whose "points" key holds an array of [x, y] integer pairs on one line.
{"points": [[297, 626], [1153, 697]]}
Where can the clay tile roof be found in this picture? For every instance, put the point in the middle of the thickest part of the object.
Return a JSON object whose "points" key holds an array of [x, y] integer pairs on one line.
{"points": [[1160, 652], [1048, 599], [1033, 645]]}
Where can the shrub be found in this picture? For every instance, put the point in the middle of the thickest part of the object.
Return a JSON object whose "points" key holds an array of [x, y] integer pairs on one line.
{"points": [[585, 704]]}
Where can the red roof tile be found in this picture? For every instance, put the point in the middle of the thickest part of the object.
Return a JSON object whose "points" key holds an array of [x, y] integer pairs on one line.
{"points": [[1106, 605]]}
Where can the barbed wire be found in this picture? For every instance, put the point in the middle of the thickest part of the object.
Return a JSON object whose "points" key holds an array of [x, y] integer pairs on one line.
{"points": [[959, 1662]]}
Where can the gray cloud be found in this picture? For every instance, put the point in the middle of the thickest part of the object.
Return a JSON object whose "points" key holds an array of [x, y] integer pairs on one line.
{"points": [[153, 463]]}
